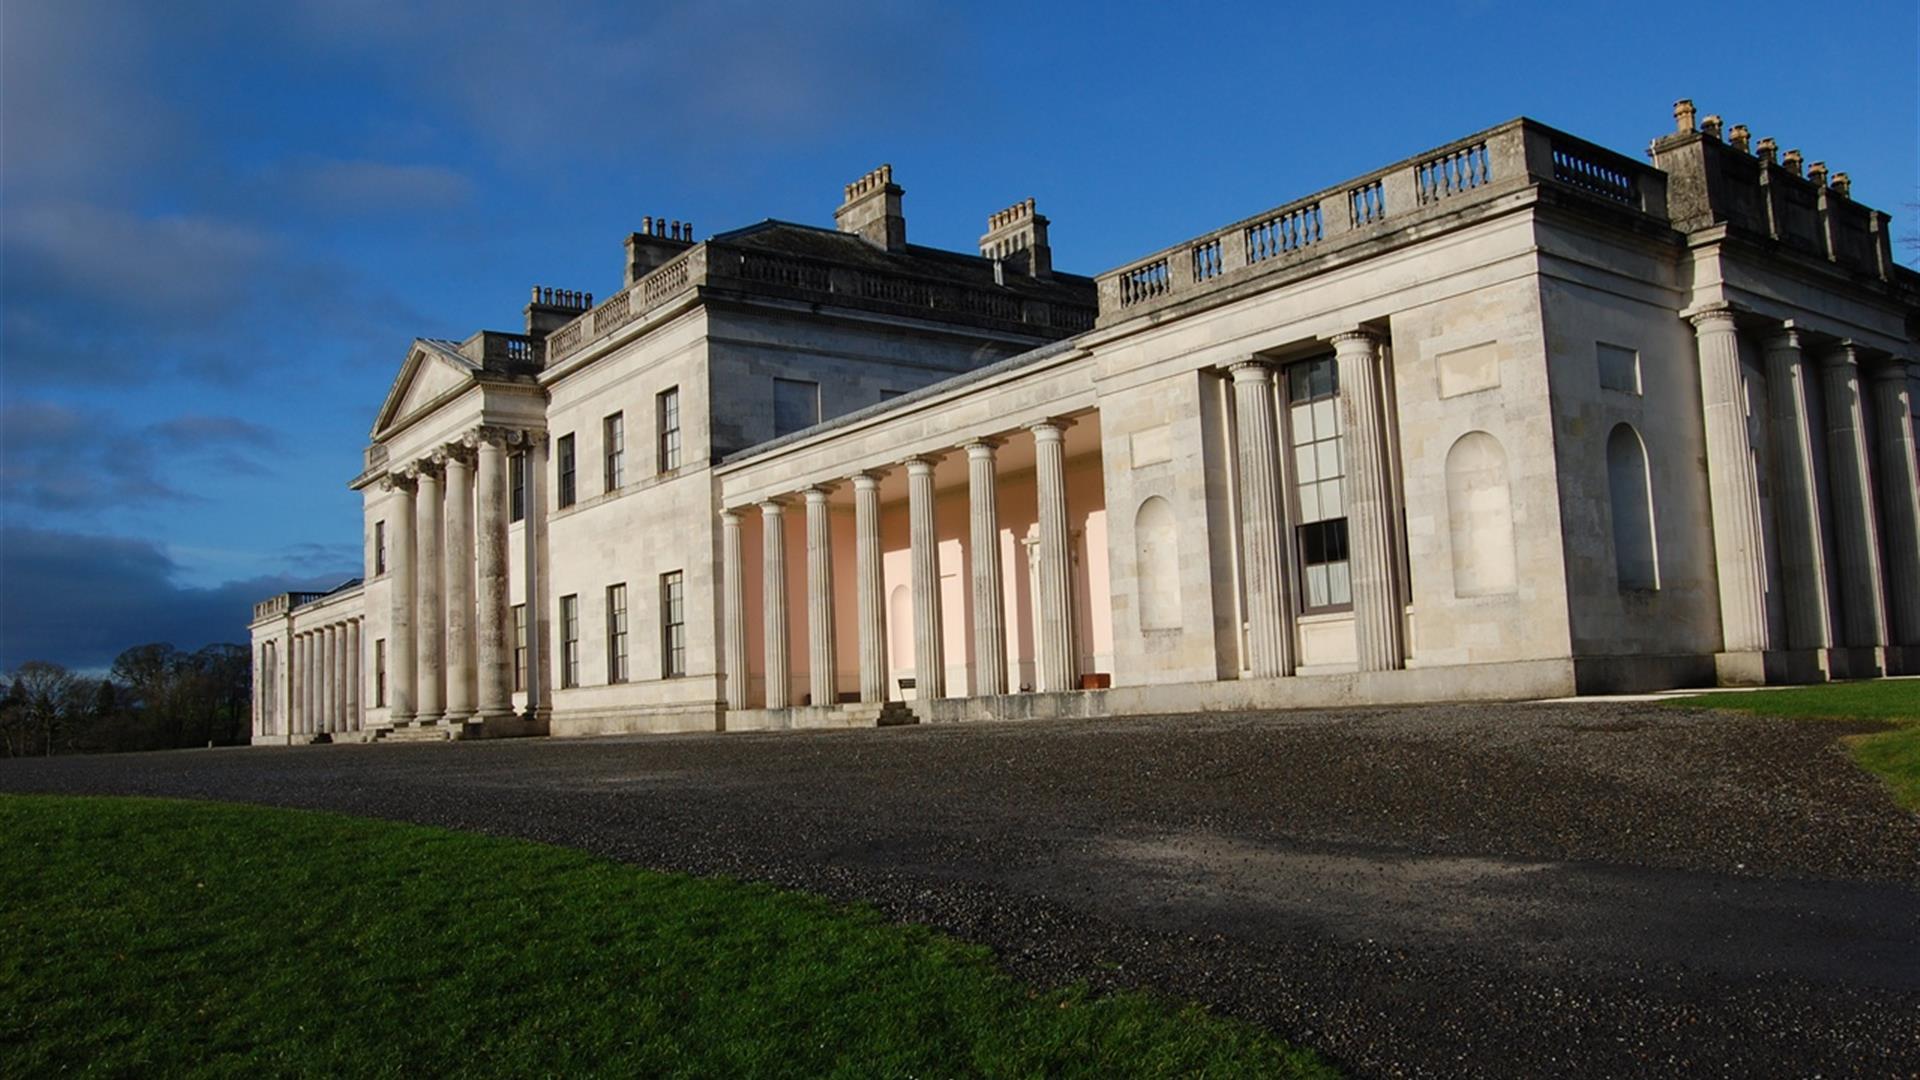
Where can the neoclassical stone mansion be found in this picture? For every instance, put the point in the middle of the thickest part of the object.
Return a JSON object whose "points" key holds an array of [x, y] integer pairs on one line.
{"points": [[1516, 417]]}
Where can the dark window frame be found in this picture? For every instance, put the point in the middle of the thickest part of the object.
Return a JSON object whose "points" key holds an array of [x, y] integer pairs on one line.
{"points": [[570, 641], [667, 418], [516, 487], [673, 625], [617, 668], [519, 648], [613, 435], [566, 463], [1324, 533]]}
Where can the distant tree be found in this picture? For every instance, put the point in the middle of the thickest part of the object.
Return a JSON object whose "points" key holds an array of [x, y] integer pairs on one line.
{"points": [[15, 732], [55, 698]]}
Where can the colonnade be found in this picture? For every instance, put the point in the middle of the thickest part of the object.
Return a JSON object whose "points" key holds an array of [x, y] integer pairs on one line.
{"points": [[451, 631], [1055, 652], [325, 673], [1871, 597]]}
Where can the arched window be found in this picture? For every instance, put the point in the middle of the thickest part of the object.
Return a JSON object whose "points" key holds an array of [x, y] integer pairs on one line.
{"points": [[1156, 564], [1635, 556], [1480, 516]]}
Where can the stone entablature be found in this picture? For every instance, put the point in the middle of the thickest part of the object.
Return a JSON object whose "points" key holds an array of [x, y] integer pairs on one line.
{"points": [[1379, 209]]}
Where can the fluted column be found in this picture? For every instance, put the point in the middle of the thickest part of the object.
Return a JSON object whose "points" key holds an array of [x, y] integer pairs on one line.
{"points": [[1796, 496], [929, 659], [493, 615], [1378, 615], [400, 545], [457, 549], [338, 646], [1733, 483], [1856, 530], [1263, 523], [734, 601], [329, 679], [303, 683], [430, 628], [872, 588], [313, 725], [773, 606], [1059, 659], [1900, 497], [354, 676], [984, 571], [820, 654]]}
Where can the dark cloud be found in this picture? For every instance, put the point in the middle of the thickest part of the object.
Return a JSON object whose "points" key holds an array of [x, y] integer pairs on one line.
{"points": [[59, 458], [79, 599]]}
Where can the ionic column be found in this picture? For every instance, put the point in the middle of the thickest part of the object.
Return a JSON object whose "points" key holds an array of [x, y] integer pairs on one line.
{"points": [[457, 549], [1796, 497], [1378, 617], [311, 693], [735, 609], [302, 683], [989, 604], [400, 581], [354, 675], [1733, 483], [537, 581], [493, 629], [1263, 523], [820, 657], [339, 701], [1900, 497], [430, 629], [871, 581], [773, 606], [329, 719], [1059, 660], [1856, 531], [929, 660]]}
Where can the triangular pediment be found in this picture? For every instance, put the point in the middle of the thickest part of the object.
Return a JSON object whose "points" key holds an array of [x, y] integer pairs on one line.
{"points": [[433, 372]]}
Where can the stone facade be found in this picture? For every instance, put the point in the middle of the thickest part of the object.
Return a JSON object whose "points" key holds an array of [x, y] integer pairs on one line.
{"points": [[1515, 417]]}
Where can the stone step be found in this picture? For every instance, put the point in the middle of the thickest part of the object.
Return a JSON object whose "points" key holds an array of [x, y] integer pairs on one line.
{"points": [[430, 733]]}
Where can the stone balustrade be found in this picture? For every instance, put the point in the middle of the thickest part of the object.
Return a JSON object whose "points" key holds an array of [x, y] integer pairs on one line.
{"points": [[1467, 173], [716, 263]]}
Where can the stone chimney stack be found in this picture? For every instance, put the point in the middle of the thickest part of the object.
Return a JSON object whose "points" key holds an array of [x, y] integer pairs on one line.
{"points": [[1740, 137], [871, 210], [553, 308], [657, 242], [1017, 236]]}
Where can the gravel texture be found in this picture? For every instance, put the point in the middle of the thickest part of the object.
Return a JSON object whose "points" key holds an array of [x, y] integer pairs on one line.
{"points": [[1525, 890]]}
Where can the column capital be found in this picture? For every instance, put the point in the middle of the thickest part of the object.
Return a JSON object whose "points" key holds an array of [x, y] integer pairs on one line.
{"points": [[1251, 369], [817, 493], [1892, 369], [983, 446], [1051, 428], [457, 452], [773, 506], [400, 479], [919, 464], [1840, 354], [428, 468], [491, 435], [730, 518], [1787, 336], [866, 480], [1355, 340], [1718, 314]]}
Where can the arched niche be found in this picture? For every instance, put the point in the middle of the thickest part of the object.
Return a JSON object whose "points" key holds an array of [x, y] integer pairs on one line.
{"points": [[1156, 563], [1480, 516], [1636, 559]]}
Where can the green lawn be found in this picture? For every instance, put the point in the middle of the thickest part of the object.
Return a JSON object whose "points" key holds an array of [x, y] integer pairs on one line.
{"points": [[142, 937], [1893, 754]]}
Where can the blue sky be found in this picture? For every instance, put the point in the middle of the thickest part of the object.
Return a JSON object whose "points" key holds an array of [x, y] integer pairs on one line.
{"points": [[224, 222]]}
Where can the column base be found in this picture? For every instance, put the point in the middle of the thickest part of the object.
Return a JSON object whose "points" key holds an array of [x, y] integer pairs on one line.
{"points": [[1776, 667], [427, 719]]}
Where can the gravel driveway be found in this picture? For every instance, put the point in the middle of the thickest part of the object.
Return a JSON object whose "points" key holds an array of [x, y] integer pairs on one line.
{"points": [[1525, 890]]}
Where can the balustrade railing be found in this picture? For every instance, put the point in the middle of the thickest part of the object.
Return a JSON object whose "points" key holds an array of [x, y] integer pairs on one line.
{"points": [[1443, 181], [1592, 172], [1452, 173], [1282, 233]]}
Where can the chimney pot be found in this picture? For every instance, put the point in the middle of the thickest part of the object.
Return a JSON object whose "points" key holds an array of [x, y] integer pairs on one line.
{"points": [[1791, 159], [1765, 149], [1740, 137], [1843, 184], [1683, 115], [1710, 126], [1817, 172]]}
